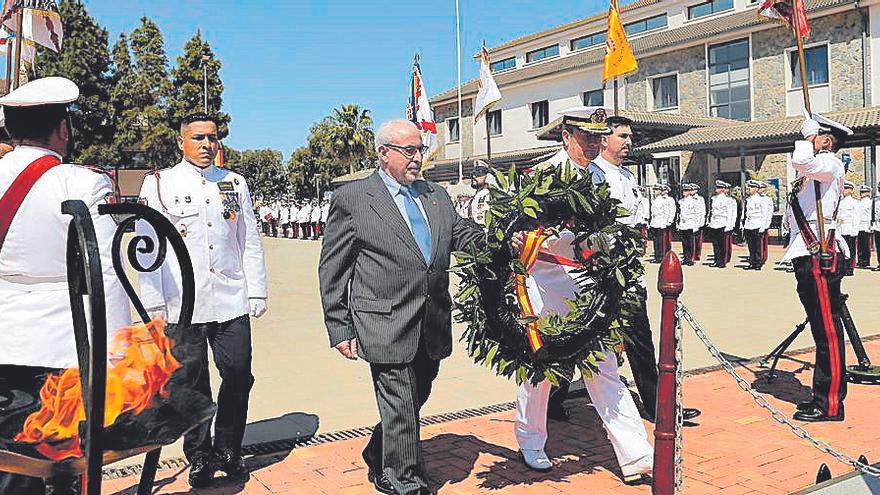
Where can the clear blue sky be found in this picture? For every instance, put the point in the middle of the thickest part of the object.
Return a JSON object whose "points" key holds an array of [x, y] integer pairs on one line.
{"points": [[288, 63]]}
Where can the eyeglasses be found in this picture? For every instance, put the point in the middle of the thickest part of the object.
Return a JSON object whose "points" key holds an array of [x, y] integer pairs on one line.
{"points": [[409, 151]]}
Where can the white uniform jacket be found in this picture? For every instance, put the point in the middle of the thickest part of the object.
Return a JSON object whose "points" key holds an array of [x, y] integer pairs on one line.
{"points": [[755, 213], [662, 212], [478, 206], [643, 211], [768, 212], [623, 187], [316, 214], [865, 214], [325, 212], [304, 213], [848, 216], [876, 225], [828, 170], [723, 214], [38, 326], [227, 253], [292, 213], [692, 213], [284, 215]]}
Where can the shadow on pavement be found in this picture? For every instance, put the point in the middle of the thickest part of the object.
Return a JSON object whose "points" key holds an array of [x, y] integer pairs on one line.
{"points": [[785, 386]]}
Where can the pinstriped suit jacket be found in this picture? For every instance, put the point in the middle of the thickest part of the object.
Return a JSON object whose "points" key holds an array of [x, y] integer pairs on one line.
{"points": [[375, 283]]}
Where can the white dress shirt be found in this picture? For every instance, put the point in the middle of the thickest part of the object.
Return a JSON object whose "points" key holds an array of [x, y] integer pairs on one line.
{"points": [[227, 253], [34, 302], [826, 169]]}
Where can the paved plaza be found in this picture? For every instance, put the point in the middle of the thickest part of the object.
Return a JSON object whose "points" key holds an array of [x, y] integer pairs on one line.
{"points": [[304, 388]]}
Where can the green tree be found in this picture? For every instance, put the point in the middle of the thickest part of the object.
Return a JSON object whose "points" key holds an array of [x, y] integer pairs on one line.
{"points": [[127, 139], [84, 59], [352, 135], [188, 93], [264, 170], [149, 94]]}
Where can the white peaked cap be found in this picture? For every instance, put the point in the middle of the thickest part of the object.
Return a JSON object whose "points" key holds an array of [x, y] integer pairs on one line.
{"points": [[829, 124], [45, 91]]}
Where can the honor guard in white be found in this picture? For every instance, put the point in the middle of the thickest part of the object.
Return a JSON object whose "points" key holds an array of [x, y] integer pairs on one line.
{"points": [[722, 220], [692, 214], [663, 210], [643, 216], [769, 208], [325, 213], [755, 225], [211, 208], [292, 214], [315, 220], [302, 218], [865, 207], [875, 228], [551, 284], [285, 219], [848, 212], [818, 266], [37, 336], [479, 203]]}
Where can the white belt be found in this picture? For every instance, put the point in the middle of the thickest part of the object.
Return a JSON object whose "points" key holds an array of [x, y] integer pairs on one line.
{"points": [[22, 283]]}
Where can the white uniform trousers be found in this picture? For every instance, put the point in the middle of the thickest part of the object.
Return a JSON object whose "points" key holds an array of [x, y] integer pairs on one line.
{"points": [[612, 401]]}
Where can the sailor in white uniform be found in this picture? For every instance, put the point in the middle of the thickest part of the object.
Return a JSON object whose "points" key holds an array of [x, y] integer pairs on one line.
{"points": [[479, 203], [662, 220], [865, 205], [722, 219], [211, 208], [848, 222], [692, 213], [37, 336]]}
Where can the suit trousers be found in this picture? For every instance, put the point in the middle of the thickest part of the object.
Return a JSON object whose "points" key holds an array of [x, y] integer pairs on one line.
{"points": [[864, 249], [613, 403], [230, 342], [639, 348], [401, 391], [755, 241], [688, 245], [829, 374]]}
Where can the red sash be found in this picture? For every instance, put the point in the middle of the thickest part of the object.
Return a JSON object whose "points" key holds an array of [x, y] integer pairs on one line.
{"points": [[19, 189]]}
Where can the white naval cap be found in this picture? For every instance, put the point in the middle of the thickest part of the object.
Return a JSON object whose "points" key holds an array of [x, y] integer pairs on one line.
{"points": [[849, 185], [721, 184], [589, 119], [864, 188], [827, 125], [45, 91], [753, 183]]}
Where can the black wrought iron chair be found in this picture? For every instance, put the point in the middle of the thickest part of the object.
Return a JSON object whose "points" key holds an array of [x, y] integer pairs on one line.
{"points": [[85, 279]]}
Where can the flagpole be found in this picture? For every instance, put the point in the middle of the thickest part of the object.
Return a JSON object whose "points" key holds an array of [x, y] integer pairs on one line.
{"points": [[19, 24], [488, 138], [616, 103], [8, 82], [458, 57]]}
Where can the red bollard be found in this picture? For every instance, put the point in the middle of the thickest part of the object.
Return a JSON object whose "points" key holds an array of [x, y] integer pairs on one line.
{"points": [[670, 284]]}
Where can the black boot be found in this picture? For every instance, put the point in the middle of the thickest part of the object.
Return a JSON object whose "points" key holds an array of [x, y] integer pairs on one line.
{"points": [[201, 471]]}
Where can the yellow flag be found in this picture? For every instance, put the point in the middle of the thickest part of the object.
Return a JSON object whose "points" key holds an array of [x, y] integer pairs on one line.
{"points": [[619, 59]]}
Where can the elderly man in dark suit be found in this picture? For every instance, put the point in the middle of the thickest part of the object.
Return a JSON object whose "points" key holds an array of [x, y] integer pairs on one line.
{"points": [[385, 292]]}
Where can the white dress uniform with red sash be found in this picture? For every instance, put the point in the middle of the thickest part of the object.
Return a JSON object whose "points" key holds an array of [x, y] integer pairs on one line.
{"points": [[549, 285]]}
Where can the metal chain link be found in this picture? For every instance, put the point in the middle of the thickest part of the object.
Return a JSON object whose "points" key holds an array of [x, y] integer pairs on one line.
{"points": [[759, 399], [679, 412]]}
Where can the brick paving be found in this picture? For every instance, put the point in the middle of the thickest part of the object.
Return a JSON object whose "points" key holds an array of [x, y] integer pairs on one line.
{"points": [[736, 449]]}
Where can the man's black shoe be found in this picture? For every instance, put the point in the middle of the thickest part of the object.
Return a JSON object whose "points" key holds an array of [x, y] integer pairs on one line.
{"points": [[816, 415], [689, 413], [381, 482], [201, 471], [232, 465], [805, 406]]}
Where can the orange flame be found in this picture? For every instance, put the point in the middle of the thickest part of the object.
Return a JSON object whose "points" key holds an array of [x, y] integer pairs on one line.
{"points": [[140, 366]]}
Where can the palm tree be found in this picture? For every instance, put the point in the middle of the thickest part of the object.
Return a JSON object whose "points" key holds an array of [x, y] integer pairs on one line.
{"points": [[351, 133]]}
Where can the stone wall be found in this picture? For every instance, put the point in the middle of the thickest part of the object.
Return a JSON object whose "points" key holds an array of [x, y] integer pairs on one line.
{"points": [[690, 63]]}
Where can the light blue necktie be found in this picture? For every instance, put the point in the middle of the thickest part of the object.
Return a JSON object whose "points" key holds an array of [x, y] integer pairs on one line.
{"points": [[417, 222]]}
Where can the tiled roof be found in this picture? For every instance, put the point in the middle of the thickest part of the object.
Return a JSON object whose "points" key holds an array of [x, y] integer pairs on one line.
{"points": [[446, 170], [666, 121], [640, 45], [766, 133], [571, 25]]}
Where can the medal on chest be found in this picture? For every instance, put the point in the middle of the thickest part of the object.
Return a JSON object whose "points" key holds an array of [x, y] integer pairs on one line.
{"points": [[231, 204]]}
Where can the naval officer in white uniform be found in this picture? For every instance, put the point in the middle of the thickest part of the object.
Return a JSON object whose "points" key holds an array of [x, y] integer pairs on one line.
{"points": [[37, 336], [211, 208]]}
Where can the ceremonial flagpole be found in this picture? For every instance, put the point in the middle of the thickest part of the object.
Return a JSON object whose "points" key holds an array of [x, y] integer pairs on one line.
{"points": [[19, 24], [616, 103], [8, 82], [488, 129], [458, 57]]}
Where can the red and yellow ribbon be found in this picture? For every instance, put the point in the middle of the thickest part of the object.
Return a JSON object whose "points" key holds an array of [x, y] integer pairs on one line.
{"points": [[531, 248]]}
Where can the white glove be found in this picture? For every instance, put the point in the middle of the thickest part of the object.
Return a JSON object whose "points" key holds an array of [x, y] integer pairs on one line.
{"points": [[157, 312], [809, 128], [258, 306]]}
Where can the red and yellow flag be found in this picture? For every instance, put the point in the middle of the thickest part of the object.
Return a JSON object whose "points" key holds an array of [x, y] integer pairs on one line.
{"points": [[220, 157], [790, 13], [619, 59]]}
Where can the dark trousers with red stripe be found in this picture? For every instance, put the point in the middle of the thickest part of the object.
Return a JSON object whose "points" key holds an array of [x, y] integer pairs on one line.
{"points": [[755, 241], [877, 243], [864, 249], [721, 244], [851, 244], [765, 244], [829, 374], [662, 243], [698, 244], [689, 239]]}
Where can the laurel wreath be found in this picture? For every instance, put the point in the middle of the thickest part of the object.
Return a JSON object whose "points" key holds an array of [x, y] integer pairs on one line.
{"points": [[609, 283]]}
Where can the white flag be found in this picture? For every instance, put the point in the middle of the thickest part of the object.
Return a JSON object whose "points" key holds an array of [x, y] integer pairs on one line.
{"points": [[489, 93], [419, 111], [28, 48], [41, 22]]}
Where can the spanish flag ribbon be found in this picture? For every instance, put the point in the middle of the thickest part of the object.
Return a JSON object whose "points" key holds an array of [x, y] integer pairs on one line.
{"points": [[619, 59], [531, 250]]}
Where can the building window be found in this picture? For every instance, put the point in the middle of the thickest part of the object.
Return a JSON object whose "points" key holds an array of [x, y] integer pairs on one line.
{"points": [[817, 66], [540, 114], [507, 63], [588, 41], [494, 122], [729, 91], [546, 52], [668, 170], [453, 131], [595, 98], [656, 22], [665, 92], [709, 8]]}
